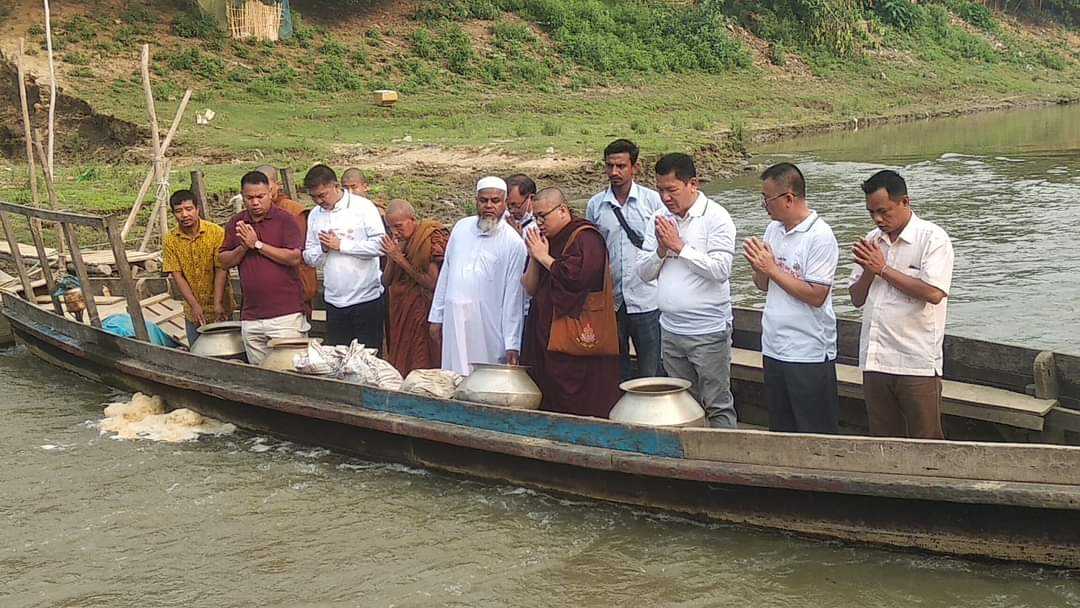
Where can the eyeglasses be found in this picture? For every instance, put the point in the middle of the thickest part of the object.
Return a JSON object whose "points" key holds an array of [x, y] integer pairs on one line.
{"points": [[542, 217], [766, 200]]}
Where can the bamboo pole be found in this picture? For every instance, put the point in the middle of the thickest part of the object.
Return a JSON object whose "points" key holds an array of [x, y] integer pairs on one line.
{"points": [[52, 87], [154, 136], [54, 200], [26, 123], [160, 210], [149, 180]]}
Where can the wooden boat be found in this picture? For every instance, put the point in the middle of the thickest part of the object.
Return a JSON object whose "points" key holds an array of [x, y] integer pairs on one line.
{"points": [[1010, 500]]}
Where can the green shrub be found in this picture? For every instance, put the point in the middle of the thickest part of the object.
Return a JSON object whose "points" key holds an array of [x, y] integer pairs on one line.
{"points": [[283, 75], [333, 48], [269, 90], [195, 24], [81, 72], [78, 28], [423, 44], [974, 13], [198, 64], [1051, 60], [334, 75], [550, 129], [239, 75], [76, 58], [511, 35], [900, 14]]}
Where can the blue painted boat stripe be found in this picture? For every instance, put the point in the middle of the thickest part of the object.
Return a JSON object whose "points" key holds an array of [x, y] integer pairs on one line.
{"points": [[576, 431]]}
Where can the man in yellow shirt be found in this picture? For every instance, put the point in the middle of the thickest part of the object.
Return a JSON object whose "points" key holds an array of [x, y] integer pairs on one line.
{"points": [[190, 256]]}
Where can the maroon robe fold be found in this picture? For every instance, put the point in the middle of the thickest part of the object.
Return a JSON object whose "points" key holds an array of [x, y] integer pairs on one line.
{"points": [[587, 386]]}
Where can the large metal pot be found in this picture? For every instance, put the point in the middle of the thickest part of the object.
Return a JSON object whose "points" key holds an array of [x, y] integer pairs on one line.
{"points": [[219, 340], [658, 402], [282, 353], [505, 385]]}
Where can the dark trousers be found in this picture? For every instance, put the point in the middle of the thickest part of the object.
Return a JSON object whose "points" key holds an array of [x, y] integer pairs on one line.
{"points": [[903, 406], [644, 329], [802, 396], [362, 322]]}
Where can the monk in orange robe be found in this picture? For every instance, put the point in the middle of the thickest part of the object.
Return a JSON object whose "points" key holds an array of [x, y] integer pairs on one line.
{"points": [[415, 249], [308, 280]]}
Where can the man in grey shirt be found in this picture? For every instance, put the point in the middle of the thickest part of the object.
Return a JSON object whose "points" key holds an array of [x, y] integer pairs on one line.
{"points": [[622, 213]]}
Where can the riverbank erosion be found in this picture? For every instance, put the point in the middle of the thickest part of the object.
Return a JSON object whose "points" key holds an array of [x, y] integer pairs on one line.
{"points": [[494, 86]]}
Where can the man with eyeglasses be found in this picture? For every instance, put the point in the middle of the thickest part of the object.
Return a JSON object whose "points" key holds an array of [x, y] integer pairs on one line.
{"points": [[688, 252], [521, 190], [794, 263], [477, 308], [622, 213], [901, 283], [568, 260]]}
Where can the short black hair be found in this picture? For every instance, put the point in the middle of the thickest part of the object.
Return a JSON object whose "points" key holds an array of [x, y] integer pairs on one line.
{"points": [[889, 180], [524, 184], [623, 146], [254, 178], [681, 164], [790, 175], [181, 196], [319, 175]]}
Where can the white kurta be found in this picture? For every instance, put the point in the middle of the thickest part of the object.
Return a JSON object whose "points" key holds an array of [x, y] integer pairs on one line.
{"points": [[479, 296]]}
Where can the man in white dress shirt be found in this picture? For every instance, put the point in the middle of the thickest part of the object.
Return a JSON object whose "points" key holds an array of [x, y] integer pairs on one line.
{"points": [[623, 214], [478, 303], [344, 238], [794, 264], [902, 280], [688, 252]]}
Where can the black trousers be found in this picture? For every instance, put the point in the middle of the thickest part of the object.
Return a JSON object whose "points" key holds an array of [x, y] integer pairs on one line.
{"points": [[362, 322], [802, 396]]}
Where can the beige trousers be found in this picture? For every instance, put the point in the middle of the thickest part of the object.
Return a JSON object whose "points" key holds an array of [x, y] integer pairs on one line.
{"points": [[257, 333]]}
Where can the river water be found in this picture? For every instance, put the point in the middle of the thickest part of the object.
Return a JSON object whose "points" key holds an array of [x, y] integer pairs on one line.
{"points": [[243, 520]]}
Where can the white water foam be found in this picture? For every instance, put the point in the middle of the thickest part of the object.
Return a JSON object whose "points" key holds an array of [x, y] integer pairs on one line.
{"points": [[145, 417]]}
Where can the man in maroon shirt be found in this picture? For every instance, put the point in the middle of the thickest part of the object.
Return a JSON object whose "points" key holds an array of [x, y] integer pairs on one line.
{"points": [[266, 244]]}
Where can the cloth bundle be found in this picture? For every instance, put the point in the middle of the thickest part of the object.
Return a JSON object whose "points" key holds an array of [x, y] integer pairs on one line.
{"points": [[353, 363], [440, 383]]}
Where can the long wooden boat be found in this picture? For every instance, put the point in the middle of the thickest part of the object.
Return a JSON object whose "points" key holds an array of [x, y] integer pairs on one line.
{"points": [[1012, 495]]}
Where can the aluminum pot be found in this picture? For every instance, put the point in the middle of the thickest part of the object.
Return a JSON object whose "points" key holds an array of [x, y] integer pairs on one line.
{"points": [[658, 402], [282, 352], [220, 340], [504, 385]]}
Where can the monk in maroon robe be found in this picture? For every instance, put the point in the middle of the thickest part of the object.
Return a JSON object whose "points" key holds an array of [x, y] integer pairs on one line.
{"points": [[416, 250], [559, 279]]}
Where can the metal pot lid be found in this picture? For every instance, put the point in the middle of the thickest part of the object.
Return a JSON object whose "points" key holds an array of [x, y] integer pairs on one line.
{"points": [[220, 326]]}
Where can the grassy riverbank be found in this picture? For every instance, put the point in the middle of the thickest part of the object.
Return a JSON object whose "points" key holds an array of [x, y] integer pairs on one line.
{"points": [[535, 85]]}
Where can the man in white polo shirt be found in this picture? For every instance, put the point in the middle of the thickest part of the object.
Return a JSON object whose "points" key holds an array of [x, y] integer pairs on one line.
{"points": [[623, 214], [344, 238], [902, 281], [795, 264], [688, 252]]}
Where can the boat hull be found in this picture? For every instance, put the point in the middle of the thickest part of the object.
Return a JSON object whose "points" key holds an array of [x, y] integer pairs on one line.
{"points": [[539, 451]]}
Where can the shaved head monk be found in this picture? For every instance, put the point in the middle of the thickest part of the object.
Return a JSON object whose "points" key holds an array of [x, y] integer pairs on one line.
{"points": [[415, 249]]}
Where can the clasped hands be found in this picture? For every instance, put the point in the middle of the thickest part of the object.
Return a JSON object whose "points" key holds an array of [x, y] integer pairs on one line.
{"points": [[760, 256], [869, 256], [667, 237]]}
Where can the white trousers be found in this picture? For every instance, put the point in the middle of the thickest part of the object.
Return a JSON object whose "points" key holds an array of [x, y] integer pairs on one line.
{"points": [[257, 333]]}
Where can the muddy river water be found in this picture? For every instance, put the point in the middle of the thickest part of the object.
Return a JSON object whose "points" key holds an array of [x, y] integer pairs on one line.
{"points": [[243, 520]]}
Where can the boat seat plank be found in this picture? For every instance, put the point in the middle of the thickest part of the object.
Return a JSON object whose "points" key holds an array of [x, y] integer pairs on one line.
{"points": [[29, 252], [958, 398], [95, 257]]}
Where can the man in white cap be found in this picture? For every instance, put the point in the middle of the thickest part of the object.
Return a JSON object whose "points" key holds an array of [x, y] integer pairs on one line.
{"points": [[477, 307]]}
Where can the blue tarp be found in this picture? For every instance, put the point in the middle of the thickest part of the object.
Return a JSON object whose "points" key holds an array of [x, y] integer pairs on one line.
{"points": [[120, 325]]}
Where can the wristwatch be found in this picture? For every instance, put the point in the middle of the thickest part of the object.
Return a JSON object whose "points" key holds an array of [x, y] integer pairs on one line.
{"points": [[258, 245]]}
